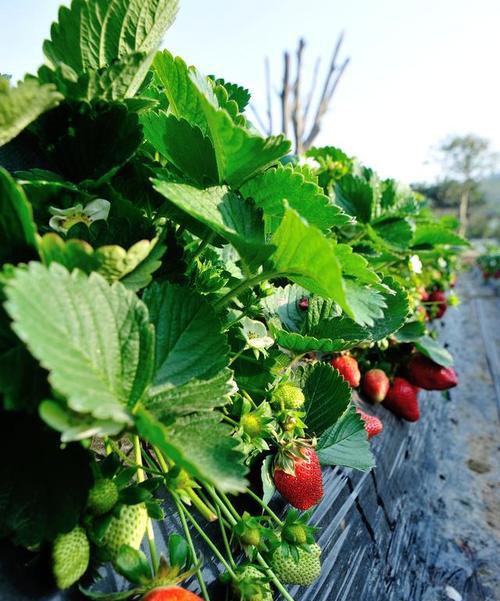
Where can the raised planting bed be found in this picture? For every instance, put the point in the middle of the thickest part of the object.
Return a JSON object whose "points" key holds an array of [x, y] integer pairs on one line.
{"points": [[423, 525]]}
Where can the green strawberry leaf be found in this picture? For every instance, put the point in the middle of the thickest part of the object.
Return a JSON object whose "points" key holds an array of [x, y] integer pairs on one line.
{"points": [[355, 196], [269, 190], [432, 349], [239, 94], [284, 303], [195, 395], [200, 444], [94, 339], [346, 443], [239, 152], [92, 34], [183, 144], [88, 141], [303, 343], [355, 265], [394, 231], [17, 228], [412, 330], [21, 105], [305, 256], [327, 396], [43, 488], [118, 81], [366, 303], [189, 342], [268, 486], [222, 212], [435, 235]]}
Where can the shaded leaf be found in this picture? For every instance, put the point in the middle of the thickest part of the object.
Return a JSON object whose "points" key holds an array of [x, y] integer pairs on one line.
{"points": [[346, 443], [21, 105], [327, 396]]}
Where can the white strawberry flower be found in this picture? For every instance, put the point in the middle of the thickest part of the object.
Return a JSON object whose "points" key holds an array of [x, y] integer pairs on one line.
{"points": [[415, 264], [256, 335], [64, 219]]}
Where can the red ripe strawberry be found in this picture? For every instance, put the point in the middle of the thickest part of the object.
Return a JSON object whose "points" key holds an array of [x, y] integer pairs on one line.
{"points": [[425, 373], [373, 425], [402, 400], [438, 296], [297, 476], [170, 593], [348, 368], [376, 385]]}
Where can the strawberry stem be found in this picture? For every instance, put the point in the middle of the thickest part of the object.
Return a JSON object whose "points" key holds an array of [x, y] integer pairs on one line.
{"points": [[201, 506], [248, 283], [192, 548], [234, 517], [265, 507], [224, 538], [201, 532], [149, 527]]}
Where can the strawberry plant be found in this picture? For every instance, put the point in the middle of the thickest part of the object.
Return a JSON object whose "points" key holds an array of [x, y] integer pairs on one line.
{"points": [[185, 305]]}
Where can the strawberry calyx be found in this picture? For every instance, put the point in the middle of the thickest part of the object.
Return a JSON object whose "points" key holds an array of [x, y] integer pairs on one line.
{"points": [[291, 452], [296, 530]]}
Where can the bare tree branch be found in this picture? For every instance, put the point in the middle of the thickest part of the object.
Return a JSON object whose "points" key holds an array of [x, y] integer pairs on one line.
{"points": [[269, 99], [312, 89], [285, 94], [297, 122], [331, 81]]}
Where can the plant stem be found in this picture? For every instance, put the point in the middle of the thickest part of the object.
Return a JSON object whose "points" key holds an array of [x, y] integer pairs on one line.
{"points": [[224, 538], [249, 399], [129, 461], [248, 283], [189, 538], [209, 543], [202, 507], [286, 595], [149, 526], [238, 354], [264, 506], [294, 361], [231, 421], [233, 514], [202, 245]]}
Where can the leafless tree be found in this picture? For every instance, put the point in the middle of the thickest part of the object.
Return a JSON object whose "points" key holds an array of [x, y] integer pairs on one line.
{"points": [[301, 115]]}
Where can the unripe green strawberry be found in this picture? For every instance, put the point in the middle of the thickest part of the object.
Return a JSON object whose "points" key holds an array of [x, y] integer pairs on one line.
{"points": [[70, 557], [288, 395], [303, 572], [251, 585], [251, 536], [127, 529], [295, 533], [103, 496], [251, 424]]}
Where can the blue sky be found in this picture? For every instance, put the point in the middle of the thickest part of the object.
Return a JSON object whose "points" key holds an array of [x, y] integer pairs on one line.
{"points": [[420, 69]]}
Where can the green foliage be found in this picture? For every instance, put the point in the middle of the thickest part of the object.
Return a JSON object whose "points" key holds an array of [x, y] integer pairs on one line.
{"points": [[90, 35], [21, 105], [17, 229], [94, 339], [165, 270], [344, 443]]}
